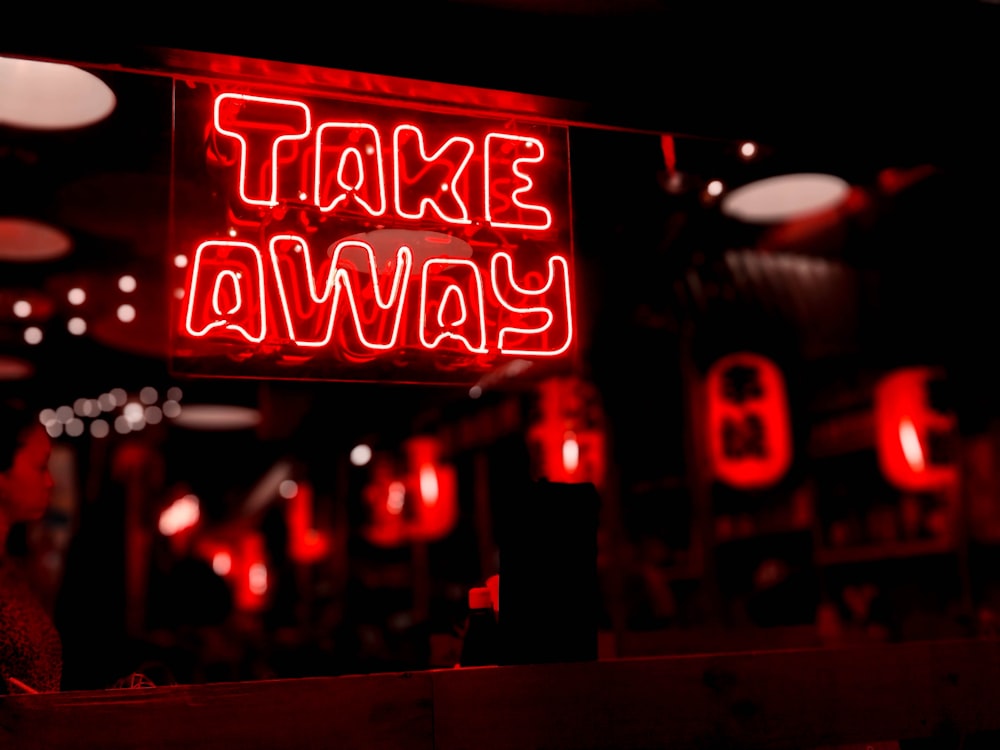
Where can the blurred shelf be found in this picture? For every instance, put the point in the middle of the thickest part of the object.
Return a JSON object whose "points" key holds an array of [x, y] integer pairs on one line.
{"points": [[984, 530], [668, 482], [887, 551], [682, 572], [851, 432], [763, 530]]}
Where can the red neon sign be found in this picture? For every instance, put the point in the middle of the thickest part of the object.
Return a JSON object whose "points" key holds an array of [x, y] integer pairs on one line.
{"points": [[905, 426], [351, 241], [749, 425]]}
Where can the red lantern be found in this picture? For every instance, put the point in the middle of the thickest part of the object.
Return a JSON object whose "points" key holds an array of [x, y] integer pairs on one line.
{"points": [[418, 503], [905, 424], [218, 552], [238, 555], [567, 440], [306, 544], [433, 486], [749, 427], [385, 495]]}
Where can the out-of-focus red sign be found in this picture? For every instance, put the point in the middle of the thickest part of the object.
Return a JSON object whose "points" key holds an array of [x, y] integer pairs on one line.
{"points": [[905, 425], [415, 501], [567, 439], [749, 427], [355, 241]]}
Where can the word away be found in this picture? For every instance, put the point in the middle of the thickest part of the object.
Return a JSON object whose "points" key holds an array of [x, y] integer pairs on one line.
{"points": [[348, 304]]}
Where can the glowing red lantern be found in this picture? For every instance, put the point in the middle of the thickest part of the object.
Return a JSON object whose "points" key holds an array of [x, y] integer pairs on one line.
{"points": [[385, 496], [905, 425], [567, 440], [238, 555], [749, 427], [182, 514], [433, 486], [252, 574], [306, 544], [419, 502]]}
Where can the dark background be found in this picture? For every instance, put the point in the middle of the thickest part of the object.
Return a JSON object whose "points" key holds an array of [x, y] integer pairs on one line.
{"points": [[866, 92]]}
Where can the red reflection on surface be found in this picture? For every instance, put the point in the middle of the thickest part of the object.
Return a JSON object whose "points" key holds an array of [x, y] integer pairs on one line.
{"points": [[905, 424], [749, 427]]}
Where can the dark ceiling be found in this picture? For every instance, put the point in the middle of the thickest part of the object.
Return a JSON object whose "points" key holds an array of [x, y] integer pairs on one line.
{"points": [[899, 78], [841, 88]]}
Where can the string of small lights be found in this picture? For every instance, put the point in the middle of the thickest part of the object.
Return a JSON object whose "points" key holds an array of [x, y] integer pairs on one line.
{"points": [[112, 410]]}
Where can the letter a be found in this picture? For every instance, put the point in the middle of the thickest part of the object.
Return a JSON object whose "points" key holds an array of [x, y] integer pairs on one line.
{"points": [[451, 304], [226, 291]]}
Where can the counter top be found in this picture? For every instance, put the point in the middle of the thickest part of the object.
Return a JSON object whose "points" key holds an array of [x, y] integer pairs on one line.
{"points": [[799, 699]]}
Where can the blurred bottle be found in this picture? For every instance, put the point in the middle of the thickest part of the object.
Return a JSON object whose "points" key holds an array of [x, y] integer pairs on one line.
{"points": [[547, 537], [480, 645]]}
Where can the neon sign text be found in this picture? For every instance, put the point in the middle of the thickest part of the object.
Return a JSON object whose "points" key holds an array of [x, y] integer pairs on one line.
{"points": [[347, 164], [315, 308], [345, 240]]}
